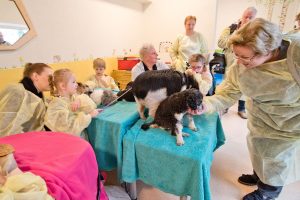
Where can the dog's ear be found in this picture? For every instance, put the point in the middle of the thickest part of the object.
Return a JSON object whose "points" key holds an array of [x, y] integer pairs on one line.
{"points": [[192, 100]]}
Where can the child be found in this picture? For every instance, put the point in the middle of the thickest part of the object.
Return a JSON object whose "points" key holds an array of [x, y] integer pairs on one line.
{"points": [[63, 113], [100, 79], [197, 66], [15, 184]]}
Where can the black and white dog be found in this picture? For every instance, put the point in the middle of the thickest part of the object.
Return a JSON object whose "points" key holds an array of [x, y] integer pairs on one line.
{"points": [[170, 112], [152, 87]]}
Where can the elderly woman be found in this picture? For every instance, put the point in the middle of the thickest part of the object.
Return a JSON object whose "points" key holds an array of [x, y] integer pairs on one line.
{"points": [[187, 44], [266, 72], [149, 61], [22, 107]]}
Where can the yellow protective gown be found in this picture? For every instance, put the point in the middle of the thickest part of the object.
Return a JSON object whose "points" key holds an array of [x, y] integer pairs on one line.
{"points": [[229, 56], [87, 105], [184, 46], [273, 106], [25, 186], [105, 82], [20, 111], [60, 118]]}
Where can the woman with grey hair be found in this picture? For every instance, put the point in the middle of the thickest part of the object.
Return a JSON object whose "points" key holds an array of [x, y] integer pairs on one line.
{"points": [[267, 71], [148, 61]]}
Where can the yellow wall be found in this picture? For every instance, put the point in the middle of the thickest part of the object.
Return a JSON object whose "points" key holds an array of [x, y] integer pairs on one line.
{"points": [[82, 70]]}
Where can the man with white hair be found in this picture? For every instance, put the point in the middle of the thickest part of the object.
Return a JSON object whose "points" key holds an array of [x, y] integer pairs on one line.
{"points": [[148, 61], [248, 15]]}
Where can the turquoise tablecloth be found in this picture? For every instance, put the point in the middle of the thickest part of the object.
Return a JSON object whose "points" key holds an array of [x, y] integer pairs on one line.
{"points": [[106, 132], [153, 157]]}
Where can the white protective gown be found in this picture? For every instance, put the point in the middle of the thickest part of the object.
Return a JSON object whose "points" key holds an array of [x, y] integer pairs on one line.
{"points": [[20, 111], [184, 46], [273, 115]]}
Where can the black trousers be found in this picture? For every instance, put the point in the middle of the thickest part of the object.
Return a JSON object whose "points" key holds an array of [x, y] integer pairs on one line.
{"points": [[268, 190]]}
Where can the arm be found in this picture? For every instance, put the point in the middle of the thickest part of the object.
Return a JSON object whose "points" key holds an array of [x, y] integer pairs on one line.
{"points": [[223, 39], [113, 84], [136, 71], [227, 93], [10, 104]]}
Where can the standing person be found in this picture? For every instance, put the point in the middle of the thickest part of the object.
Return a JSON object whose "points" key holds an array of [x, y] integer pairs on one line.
{"points": [[248, 15], [266, 71], [60, 115], [187, 44], [22, 106], [101, 80], [148, 61]]}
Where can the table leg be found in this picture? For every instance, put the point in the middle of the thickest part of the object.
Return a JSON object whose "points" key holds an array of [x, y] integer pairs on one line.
{"points": [[132, 192]]}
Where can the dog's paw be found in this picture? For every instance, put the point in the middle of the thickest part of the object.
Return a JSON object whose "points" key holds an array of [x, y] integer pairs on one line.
{"points": [[193, 127], [143, 117], [180, 142], [185, 134]]}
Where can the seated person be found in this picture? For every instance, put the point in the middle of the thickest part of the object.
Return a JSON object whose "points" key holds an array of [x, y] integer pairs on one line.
{"points": [[100, 79], [198, 67], [148, 61], [22, 106], [15, 184], [63, 114]]}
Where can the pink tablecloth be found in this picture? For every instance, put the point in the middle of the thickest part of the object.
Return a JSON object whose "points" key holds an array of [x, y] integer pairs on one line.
{"points": [[67, 163]]}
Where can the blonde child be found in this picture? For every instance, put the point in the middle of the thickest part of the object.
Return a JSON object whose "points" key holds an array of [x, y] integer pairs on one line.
{"points": [[198, 67], [63, 113], [100, 79]]}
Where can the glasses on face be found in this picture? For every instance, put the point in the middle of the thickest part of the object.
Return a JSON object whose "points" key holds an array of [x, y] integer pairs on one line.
{"points": [[244, 59]]}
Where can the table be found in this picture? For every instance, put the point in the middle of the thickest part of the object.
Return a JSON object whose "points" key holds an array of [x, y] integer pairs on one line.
{"points": [[67, 163], [106, 133], [154, 157]]}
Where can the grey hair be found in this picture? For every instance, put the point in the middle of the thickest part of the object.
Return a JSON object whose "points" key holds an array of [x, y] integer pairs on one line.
{"points": [[145, 49], [252, 9], [260, 35]]}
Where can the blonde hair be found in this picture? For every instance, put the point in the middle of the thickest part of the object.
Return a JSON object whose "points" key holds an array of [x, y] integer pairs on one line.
{"points": [[99, 62], [145, 49], [59, 76], [260, 35], [31, 68], [197, 58], [190, 17]]}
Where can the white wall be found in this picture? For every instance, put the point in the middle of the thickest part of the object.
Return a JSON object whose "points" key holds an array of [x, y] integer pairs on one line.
{"points": [[81, 29], [78, 29]]}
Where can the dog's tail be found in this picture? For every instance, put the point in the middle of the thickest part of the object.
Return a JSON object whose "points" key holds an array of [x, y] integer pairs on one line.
{"points": [[146, 126]]}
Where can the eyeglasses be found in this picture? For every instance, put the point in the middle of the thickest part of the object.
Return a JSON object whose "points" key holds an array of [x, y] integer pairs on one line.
{"points": [[244, 59]]}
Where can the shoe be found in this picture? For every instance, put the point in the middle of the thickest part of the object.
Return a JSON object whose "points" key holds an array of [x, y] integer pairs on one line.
{"points": [[257, 195], [248, 179], [242, 114]]}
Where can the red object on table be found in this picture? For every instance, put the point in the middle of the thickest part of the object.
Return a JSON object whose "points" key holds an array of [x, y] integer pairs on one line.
{"points": [[127, 63], [67, 163]]}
